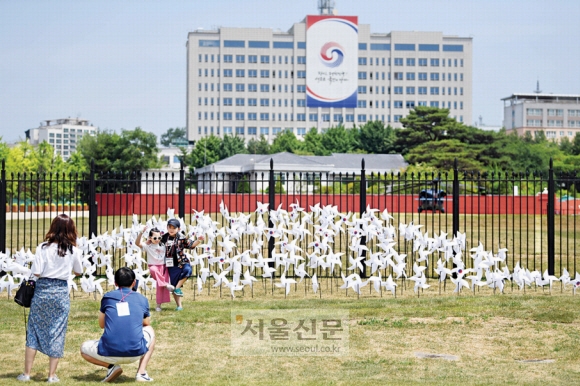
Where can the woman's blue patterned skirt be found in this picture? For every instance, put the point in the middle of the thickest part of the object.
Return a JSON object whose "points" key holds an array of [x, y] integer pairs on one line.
{"points": [[48, 318]]}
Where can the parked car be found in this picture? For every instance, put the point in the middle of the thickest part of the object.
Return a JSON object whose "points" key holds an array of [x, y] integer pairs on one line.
{"points": [[432, 199]]}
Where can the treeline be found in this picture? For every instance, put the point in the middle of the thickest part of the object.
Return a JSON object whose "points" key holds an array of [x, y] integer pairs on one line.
{"points": [[430, 141]]}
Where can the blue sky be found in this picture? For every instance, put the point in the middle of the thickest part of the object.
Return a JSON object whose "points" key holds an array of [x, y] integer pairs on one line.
{"points": [[121, 64]]}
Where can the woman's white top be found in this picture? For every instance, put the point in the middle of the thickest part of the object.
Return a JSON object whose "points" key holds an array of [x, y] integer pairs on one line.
{"points": [[155, 253], [47, 263]]}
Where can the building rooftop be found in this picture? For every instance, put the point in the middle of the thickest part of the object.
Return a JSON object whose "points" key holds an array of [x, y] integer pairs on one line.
{"points": [[541, 96], [296, 163]]}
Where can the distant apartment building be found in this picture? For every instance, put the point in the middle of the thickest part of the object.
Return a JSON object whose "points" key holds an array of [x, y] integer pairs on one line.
{"points": [[62, 134], [260, 81], [557, 115]]}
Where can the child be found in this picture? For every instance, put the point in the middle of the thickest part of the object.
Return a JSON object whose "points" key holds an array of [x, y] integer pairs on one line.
{"points": [[175, 259], [156, 262]]}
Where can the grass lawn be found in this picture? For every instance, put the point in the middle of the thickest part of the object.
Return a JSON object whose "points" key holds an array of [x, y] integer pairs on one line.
{"points": [[490, 335]]}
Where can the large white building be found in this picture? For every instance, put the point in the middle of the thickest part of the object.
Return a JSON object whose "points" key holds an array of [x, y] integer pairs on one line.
{"points": [[253, 81], [63, 134], [557, 115]]}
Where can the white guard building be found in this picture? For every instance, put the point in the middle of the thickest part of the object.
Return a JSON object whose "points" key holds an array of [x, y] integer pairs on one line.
{"points": [[297, 174]]}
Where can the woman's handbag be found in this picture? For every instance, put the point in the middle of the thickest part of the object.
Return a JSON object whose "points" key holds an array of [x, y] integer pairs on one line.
{"points": [[25, 293]]}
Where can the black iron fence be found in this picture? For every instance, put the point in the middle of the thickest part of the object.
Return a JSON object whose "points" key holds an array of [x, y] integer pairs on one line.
{"points": [[531, 214]]}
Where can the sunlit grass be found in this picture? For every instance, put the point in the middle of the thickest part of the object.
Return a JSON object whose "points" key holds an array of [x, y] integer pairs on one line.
{"points": [[489, 333]]}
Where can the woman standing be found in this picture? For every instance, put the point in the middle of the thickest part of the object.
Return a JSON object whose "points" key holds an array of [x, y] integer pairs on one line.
{"points": [[55, 258]]}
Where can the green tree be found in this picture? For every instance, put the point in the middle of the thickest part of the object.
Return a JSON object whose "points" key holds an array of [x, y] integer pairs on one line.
{"points": [[575, 149], [207, 150], [260, 146], [132, 150], [566, 145], [232, 145], [424, 124], [174, 136], [375, 138], [340, 140], [313, 143], [442, 154], [285, 141], [244, 186]]}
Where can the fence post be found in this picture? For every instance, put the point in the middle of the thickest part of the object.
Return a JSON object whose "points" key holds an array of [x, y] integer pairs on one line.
{"points": [[3, 207], [362, 209], [181, 198], [93, 224], [551, 219], [272, 203], [455, 198]]}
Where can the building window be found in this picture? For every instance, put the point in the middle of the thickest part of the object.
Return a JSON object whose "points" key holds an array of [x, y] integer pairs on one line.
{"points": [[398, 104], [240, 116], [301, 74], [264, 131], [301, 60], [398, 90], [264, 116], [301, 117], [240, 101], [264, 102], [362, 118], [252, 58], [362, 61], [349, 117], [422, 76], [301, 88], [228, 87], [239, 130], [258, 44], [252, 87], [555, 112], [404, 47], [410, 76], [283, 45], [398, 61], [361, 104], [398, 76], [252, 130], [362, 75], [434, 62], [264, 59], [434, 104], [434, 76], [264, 88], [234, 44], [410, 62], [240, 87], [397, 118], [422, 62], [362, 89], [434, 90], [325, 117], [240, 73], [410, 90], [228, 73]]}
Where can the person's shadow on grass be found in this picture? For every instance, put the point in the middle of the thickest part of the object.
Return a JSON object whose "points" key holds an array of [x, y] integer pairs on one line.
{"points": [[98, 375]]}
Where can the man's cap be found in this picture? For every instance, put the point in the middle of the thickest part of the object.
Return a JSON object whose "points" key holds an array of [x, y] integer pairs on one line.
{"points": [[174, 222]]}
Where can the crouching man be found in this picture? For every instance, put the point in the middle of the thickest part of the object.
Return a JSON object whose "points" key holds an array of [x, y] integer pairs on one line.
{"points": [[128, 335]]}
